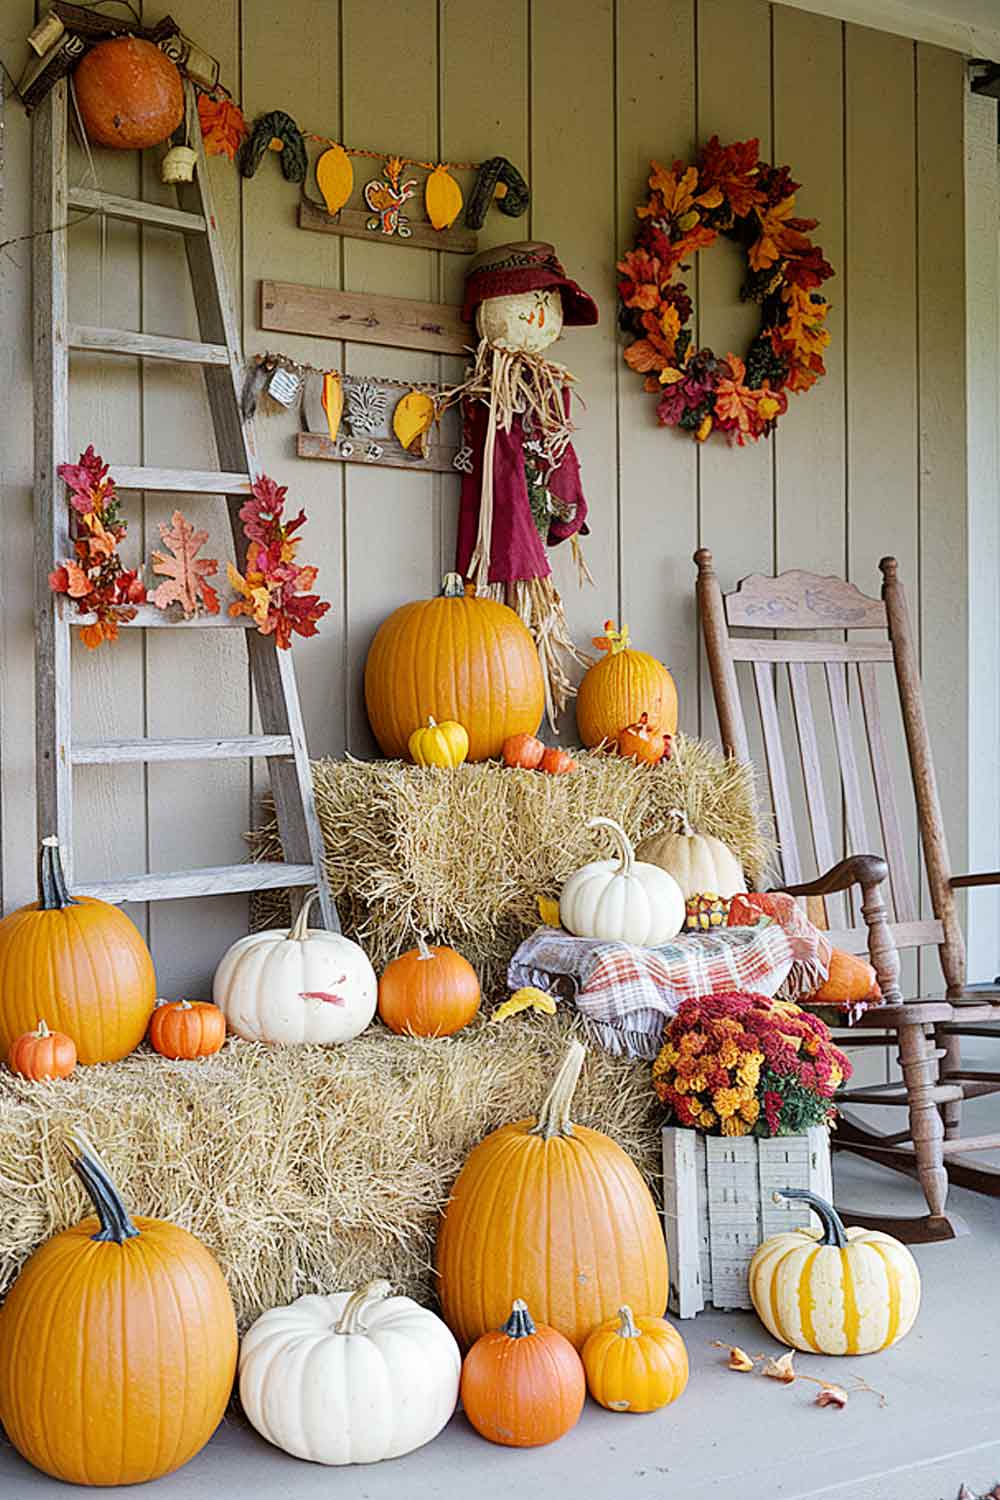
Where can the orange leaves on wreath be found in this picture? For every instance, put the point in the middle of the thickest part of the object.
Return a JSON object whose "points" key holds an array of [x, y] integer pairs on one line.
{"points": [[185, 573], [95, 578], [273, 589], [782, 236], [223, 127], [734, 171]]}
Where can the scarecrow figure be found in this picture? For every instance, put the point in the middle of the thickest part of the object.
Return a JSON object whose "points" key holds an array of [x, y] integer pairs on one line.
{"points": [[521, 486]]}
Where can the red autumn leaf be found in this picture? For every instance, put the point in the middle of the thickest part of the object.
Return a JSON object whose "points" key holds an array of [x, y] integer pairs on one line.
{"points": [[223, 127], [185, 572]]}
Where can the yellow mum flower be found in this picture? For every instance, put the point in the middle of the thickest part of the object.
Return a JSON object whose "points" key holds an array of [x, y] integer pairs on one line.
{"points": [[734, 1126], [748, 1072], [726, 1102], [729, 1053], [750, 1111], [697, 1083], [681, 1085], [708, 1119]]}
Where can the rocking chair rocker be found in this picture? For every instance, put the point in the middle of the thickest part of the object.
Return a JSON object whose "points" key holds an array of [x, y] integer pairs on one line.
{"points": [[928, 1031]]}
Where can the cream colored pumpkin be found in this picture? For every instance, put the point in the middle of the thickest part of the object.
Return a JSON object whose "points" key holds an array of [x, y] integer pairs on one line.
{"points": [[622, 900], [296, 984], [349, 1379], [697, 861], [835, 1290]]}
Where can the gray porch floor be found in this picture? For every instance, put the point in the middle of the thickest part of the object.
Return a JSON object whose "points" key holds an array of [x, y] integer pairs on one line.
{"points": [[730, 1435]]}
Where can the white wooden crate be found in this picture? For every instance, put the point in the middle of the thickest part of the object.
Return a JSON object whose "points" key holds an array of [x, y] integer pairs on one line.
{"points": [[718, 1204]]}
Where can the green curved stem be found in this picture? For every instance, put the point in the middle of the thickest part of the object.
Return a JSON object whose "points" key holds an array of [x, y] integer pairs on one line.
{"points": [[116, 1224], [553, 1117], [53, 892], [834, 1232]]}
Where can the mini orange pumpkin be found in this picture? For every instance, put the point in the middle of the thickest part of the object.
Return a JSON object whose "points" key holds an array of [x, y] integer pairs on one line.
{"points": [[850, 978], [524, 1384], [523, 750], [187, 1028], [428, 991], [42, 1054], [635, 1364], [557, 762], [643, 742], [129, 93]]}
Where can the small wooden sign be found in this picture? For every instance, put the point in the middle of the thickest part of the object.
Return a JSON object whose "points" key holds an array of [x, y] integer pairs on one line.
{"points": [[440, 457], [353, 223], [364, 318]]}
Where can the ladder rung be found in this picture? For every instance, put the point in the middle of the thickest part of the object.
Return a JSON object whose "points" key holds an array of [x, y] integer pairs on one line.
{"points": [[147, 616], [219, 881], [107, 752], [146, 345], [181, 481], [132, 211]]}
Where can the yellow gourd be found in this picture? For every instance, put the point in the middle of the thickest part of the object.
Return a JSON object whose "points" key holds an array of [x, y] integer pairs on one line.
{"points": [[412, 420], [333, 402], [442, 198], [335, 178], [445, 744]]}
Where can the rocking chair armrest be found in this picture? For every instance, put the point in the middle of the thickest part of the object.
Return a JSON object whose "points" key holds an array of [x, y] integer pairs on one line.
{"points": [[866, 870], [991, 877]]}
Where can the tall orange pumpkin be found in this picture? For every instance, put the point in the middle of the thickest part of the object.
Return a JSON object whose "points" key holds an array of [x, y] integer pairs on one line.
{"points": [[453, 657], [625, 684], [78, 962], [117, 1345], [129, 93], [554, 1213]]}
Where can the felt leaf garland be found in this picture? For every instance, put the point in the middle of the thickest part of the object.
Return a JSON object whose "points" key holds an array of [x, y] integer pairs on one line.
{"points": [[335, 178], [442, 197], [185, 573], [412, 420], [96, 579], [223, 127], [333, 402], [274, 588]]}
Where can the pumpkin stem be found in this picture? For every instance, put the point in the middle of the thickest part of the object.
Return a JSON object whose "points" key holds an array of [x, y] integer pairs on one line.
{"points": [[683, 822], [423, 950], [352, 1319], [625, 849], [553, 1117], [627, 1326], [453, 586], [299, 930], [53, 893], [834, 1232], [43, 1030], [520, 1324], [116, 1225]]}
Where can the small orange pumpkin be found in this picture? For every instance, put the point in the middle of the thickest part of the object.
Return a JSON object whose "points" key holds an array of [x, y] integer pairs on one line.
{"points": [[523, 750], [523, 1385], [428, 991], [635, 1364], [129, 93], [43, 1054], [187, 1028], [557, 762], [850, 978], [644, 743]]}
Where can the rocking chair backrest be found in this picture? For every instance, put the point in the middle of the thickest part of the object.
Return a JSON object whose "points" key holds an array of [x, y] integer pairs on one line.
{"points": [[797, 602]]}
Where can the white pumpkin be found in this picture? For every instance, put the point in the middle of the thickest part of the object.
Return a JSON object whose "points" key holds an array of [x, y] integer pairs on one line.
{"points": [[296, 984], [697, 861], [349, 1379], [622, 900]]}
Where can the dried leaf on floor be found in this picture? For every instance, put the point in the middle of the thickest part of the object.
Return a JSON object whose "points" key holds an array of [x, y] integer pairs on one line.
{"points": [[781, 1368], [831, 1395]]}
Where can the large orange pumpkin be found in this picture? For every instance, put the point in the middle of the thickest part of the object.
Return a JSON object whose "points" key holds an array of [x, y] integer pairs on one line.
{"points": [[129, 92], [523, 1385], [78, 962], [453, 657], [117, 1345], [617, 690], [555, 1213], [428, 991]]}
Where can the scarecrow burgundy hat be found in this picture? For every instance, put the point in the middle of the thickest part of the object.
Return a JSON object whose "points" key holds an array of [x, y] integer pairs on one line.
{"points": [[525, 266]]}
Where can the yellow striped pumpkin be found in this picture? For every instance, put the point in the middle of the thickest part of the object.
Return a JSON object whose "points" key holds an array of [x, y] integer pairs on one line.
{"points": [[835, 1290]]}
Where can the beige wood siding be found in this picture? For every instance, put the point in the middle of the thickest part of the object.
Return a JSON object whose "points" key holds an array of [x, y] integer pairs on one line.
{"points": [[580, 96]]}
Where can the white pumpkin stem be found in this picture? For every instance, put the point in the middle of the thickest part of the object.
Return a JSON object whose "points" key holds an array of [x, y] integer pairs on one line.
{"points": [[423, 951], [683, 822], [43, 1029], [352, 1319], [627, 1326], [453, 586], [553, 1117], [299, 930], [625, 849], [432, 723]]}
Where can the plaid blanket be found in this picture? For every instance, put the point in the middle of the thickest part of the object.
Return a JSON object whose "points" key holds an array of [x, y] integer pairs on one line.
{"points": [[628, 994]]}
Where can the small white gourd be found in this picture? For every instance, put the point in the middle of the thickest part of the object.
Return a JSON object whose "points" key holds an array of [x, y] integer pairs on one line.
{"points": [[296, 984], [698, 862], [622, 900], [349, 1379]]}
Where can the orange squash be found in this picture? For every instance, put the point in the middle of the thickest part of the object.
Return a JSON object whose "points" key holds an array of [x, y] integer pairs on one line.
{"points": [[42, 1054], [635, 1364], [557, 1214], [187, 1028], [524, 751], [453, 657], [621, 687], [428, 991], [556, 761], [117, 1345], [850, 978], [643, 742], [78, 962], [129, 93], [523, 1385]]}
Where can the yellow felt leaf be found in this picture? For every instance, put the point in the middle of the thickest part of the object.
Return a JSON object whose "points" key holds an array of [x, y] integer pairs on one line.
{"points": [[333, 402], [412, 419], [548, 910], [527, 998], [442, 198], [335, 178]]}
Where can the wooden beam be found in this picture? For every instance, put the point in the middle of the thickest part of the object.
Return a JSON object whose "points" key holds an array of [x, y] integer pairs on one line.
{"points": [[352, 224], [364, 318], [440, 458]]}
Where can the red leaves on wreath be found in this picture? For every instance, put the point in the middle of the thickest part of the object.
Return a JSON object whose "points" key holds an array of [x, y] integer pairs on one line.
{"points": [[735, 169], [223, 127], [95, 579], [185, 573], [273, 589]]}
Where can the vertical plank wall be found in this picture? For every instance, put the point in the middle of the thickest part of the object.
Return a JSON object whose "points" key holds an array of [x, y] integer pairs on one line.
{"points": [[580, 97]]}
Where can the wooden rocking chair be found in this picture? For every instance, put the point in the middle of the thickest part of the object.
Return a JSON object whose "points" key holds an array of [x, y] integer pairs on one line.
{"points": [[928, 1031]]}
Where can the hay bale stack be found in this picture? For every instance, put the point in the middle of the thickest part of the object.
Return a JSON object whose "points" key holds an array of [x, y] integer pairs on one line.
{"points": [[303, 1169], [463, 855]]}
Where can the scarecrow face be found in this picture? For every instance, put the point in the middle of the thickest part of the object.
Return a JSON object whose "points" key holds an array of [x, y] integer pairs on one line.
{"points": [[526, 321]]}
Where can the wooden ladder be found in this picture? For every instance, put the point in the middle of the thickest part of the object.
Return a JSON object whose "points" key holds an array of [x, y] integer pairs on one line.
{"points": [[282, 742]]}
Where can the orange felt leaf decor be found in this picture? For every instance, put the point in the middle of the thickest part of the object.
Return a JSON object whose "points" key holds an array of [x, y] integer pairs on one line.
{"points": [[222, 125], [185, 573]]}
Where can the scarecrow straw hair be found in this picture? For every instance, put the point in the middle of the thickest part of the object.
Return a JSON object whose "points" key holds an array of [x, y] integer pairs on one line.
{"points": [[303, 1169], [464, 854]]}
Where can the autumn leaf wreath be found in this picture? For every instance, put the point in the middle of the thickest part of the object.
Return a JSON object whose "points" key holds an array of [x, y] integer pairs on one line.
{"points": [[729, 191]]}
